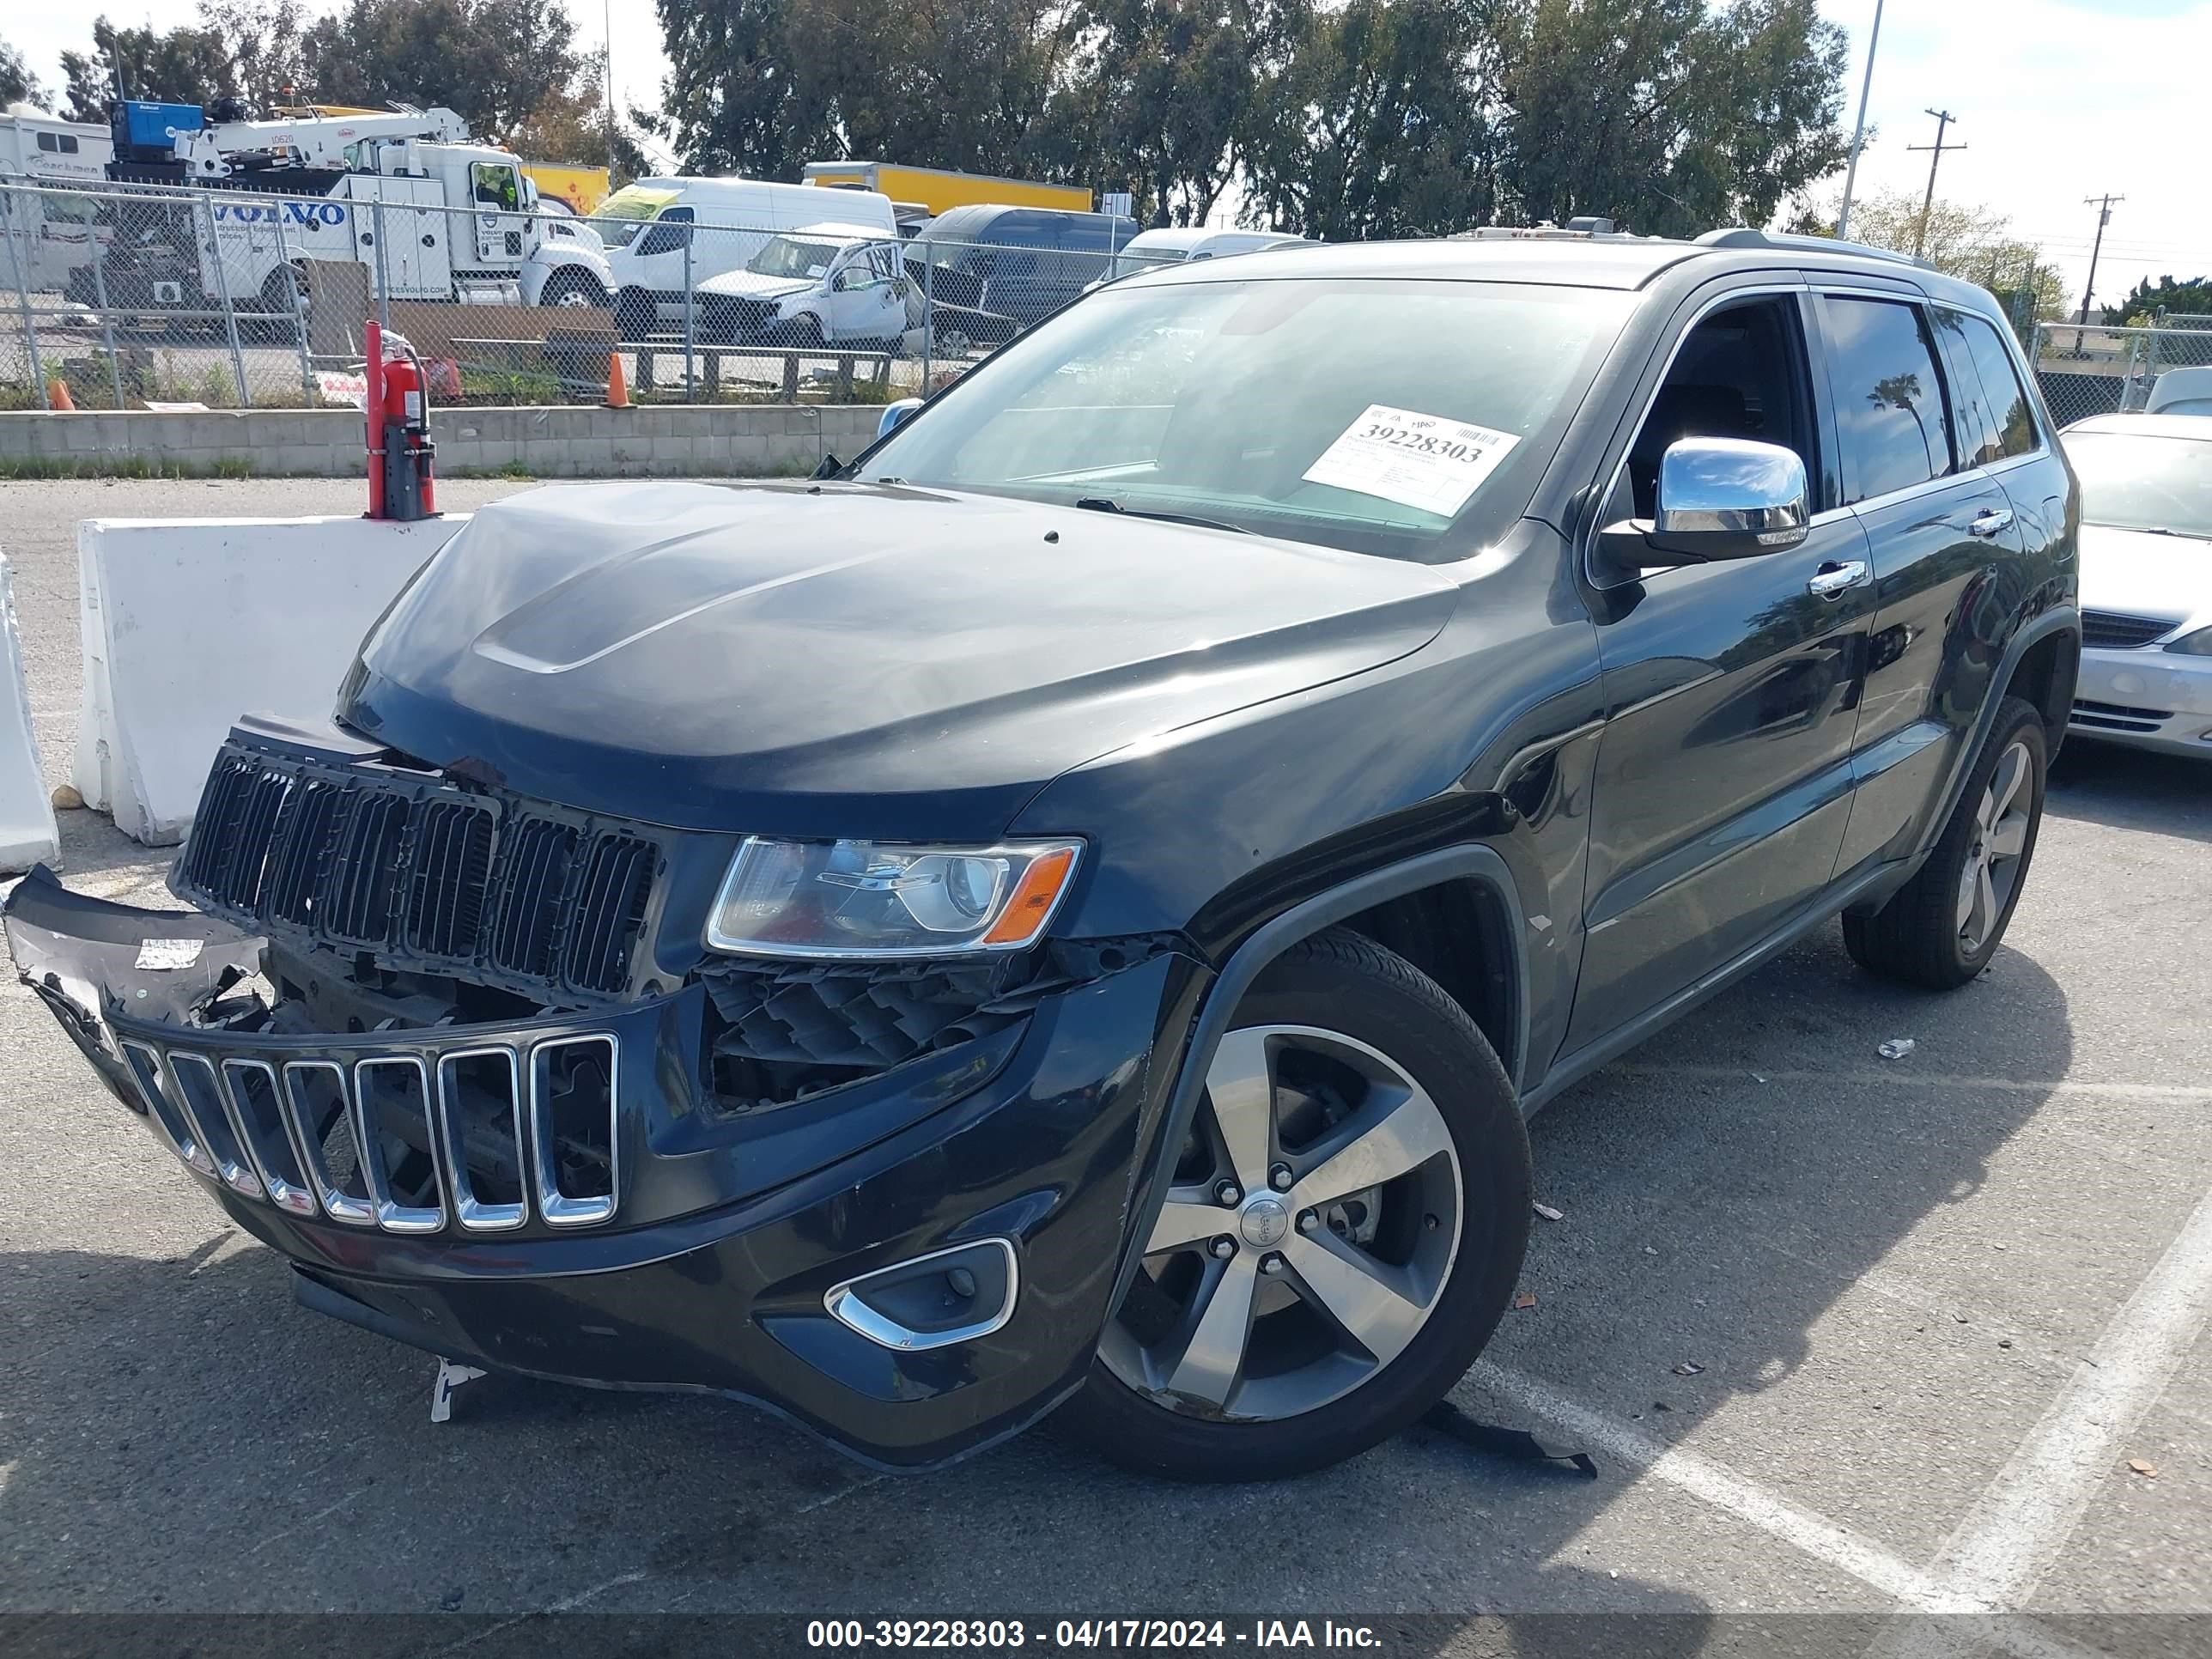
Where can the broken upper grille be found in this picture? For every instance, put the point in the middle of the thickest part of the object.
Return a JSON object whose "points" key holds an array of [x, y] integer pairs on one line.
{"points": [[420, 875]]}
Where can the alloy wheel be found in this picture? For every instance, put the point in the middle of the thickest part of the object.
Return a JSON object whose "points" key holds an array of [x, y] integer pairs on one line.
{"points": [[1307, 1236], [1992, 864]]}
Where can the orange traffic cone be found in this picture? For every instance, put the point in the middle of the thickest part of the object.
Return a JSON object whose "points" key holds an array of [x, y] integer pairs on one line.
{"points": [[58, 397], [618, 391]]}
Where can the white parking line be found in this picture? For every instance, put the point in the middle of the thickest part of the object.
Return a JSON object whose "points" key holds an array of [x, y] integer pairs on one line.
{"points": [[1814, 1534], [2016, 1531], [1918, 1592]]}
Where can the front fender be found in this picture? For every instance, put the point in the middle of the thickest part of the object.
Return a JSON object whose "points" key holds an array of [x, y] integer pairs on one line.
{"points": [[1219, 998]]}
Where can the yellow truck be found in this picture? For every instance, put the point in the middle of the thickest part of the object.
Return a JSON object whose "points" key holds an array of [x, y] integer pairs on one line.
{"points": [[937, 190], [582, 188]]}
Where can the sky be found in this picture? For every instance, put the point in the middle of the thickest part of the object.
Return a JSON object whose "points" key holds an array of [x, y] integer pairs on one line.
{"points": [[2057, 100]]}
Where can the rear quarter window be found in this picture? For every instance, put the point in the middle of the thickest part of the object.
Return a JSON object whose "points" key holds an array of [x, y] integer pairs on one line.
{"points": [[1891, 419]]}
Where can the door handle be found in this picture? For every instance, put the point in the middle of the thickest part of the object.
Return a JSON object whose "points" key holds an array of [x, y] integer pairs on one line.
{"points": [[1832, 580], [1989, 520]]}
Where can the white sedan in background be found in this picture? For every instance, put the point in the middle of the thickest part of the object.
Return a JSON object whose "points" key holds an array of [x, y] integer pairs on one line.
{"points": [[2146, 580]]}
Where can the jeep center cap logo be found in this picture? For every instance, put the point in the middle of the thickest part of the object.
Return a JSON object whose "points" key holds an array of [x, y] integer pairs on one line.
{"points": [[1264, 1221]]}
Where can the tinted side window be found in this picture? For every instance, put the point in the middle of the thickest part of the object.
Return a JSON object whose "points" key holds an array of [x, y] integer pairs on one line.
{"points": [[1889, 398], [2010, 412]]}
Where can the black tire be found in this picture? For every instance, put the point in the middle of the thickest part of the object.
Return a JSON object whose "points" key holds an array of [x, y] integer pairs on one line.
{"points": [[1917, 937], [1342, 983], [572, 288], [635, 314]]}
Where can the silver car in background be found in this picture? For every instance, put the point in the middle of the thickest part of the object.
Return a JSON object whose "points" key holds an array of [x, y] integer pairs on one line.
{"points": [[2146, 580]]}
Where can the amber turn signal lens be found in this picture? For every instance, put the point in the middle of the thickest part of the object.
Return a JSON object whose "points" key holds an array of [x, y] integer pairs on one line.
{"points": [[1033, 899]]}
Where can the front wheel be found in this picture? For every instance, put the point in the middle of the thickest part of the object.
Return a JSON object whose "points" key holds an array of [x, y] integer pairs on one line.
{"points": [[571, 289], [1344, 1225], [1941, 927]]}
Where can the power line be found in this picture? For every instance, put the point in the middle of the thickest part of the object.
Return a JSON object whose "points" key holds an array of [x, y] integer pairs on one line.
{"points": [[1943, 119]]}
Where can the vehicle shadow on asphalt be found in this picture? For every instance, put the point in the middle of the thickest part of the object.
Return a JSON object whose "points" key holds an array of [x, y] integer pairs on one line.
{"points": [[2132, 789], [1721, 1189]]}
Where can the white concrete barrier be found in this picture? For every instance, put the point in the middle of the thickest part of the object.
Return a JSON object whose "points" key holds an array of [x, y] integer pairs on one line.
{"points": [[27, 813], [190, 623]]}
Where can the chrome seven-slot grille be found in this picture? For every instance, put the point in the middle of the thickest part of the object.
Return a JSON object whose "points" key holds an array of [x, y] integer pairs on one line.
{"points": [[382, 1140], [420, 874]]}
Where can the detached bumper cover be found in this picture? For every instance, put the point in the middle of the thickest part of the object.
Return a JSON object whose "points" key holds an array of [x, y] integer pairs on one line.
{"points": [[705, 1261]]}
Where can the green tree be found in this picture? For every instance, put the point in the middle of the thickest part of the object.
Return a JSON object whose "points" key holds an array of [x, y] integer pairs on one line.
{"points": [[492, 61], [1669, 116], [733, 99], [186, 65], [266, 41], [1375, 122], [2147, 300], [17, 84], [1164, 93], [571, 125], [1975, 244]]}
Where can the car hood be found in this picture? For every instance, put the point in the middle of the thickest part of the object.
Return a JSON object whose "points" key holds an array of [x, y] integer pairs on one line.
{"points": [[2139, 573], [847, 659], [753, 286]]}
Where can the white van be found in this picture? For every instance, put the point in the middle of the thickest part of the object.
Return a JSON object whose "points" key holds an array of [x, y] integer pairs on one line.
{"points": [[646, 227], [1175, 245], [831, 284]]}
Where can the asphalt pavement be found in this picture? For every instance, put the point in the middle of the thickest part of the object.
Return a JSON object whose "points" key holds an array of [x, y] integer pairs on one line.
{"points": [[1842, 1334]]}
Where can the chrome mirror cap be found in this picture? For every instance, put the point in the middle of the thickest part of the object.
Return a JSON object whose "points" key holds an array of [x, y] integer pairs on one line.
{"points": [[1730, 498]]}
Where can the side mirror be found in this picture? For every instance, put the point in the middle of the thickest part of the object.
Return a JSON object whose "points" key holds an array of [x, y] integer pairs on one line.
{"points": [[1719, 498], [893, 414]]}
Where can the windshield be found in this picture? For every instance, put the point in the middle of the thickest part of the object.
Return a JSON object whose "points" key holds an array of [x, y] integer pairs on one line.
{"points": [[629, 208], [2144, 484], [1407, 418], [788, 256]]}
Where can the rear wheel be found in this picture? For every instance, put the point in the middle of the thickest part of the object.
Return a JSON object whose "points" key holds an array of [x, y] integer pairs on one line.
{"points": [[1941, 927], [1345, 1223], [635, 314]]}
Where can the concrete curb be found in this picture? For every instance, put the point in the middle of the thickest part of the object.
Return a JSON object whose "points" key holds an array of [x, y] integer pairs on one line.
{"points": [[659, 441]]}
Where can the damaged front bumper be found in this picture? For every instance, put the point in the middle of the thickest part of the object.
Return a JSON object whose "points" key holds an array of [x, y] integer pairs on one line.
{"points": [[913, 1266]]}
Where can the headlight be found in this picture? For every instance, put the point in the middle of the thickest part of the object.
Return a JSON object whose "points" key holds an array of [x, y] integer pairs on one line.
{"points": [[2198, 644], [865, 899]]}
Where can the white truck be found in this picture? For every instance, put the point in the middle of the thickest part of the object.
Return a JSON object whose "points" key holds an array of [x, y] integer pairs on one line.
{"points": [[47, 232], [458, 219]]}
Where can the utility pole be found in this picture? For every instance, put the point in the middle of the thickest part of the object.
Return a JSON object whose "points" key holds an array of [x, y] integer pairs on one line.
{"points": [[2104, 206], [1858, 132], [608, 74], [1943, 119]]}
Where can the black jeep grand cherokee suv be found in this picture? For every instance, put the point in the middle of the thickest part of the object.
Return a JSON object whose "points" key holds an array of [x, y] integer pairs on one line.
{"points": [[1075, 908]]}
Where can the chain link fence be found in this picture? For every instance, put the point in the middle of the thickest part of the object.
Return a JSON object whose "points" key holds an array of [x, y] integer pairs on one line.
{"points": [[2088, 369], [137, 298]]}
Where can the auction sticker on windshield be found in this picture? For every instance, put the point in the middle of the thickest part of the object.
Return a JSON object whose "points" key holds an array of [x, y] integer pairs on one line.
{"points": [[1416, 460]]}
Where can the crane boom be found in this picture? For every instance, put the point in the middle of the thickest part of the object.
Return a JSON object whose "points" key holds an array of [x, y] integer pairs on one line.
{"points": [[216, 151]]}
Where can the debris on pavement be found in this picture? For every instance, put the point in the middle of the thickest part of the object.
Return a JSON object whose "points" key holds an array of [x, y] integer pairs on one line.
{"points": [[1549, 1214], [1526, 1299], [1517, 1444], [1896, 1048], [450, 1376], [1688, 1368], [2144, 1467]]}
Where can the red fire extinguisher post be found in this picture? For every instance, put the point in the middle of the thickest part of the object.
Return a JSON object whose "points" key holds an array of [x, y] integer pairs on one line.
{"points": [[401, 457], [372, 408]]}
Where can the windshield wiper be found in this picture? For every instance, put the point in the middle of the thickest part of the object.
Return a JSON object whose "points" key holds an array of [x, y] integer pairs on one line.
{"points": [[1107, 504]]}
